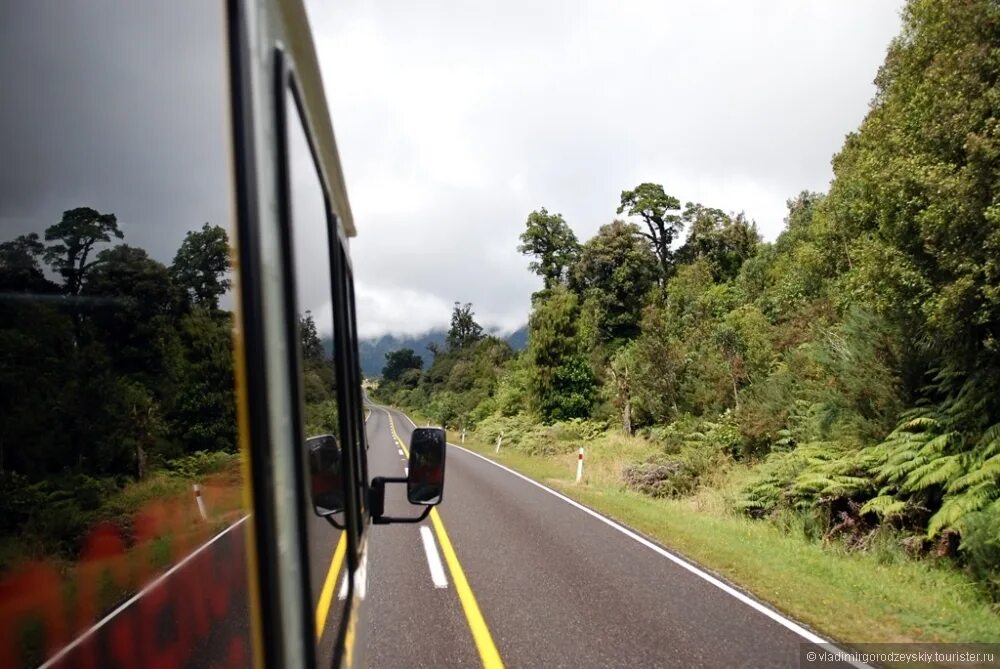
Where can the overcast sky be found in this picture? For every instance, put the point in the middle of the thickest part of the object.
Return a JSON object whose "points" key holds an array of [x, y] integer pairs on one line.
{"points": [[456, 119]]}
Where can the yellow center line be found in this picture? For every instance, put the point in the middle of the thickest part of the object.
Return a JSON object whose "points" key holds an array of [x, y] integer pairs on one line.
{"points": [[326, 594], [488, 653]]}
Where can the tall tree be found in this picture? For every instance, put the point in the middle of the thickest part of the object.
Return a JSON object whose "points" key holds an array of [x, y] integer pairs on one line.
{"points": [[201, 263], [464, 330], [917, 183], [77, 233], [398, 362], [312, 346], [551, 241], [138, 325], [562, 384], [621, 369], [649, 202], [19, 268], [726, 242], [615, 271]]}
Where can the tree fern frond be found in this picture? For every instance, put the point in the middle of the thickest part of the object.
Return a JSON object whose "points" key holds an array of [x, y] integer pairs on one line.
{"points": [[988, 471], [925, 423], [942, 443], [936, 472], [989, 442], [884, 505], [846, 486], [956, 507]]}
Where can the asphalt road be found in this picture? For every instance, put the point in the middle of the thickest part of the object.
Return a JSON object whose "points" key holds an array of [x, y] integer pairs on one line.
{"points": [[556, 586], [503, 573]]}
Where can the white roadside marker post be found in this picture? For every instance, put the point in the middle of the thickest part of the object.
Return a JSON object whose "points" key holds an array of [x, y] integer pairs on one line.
{"points": [[499, 441], [579, 465], [463, 435], [200, 501]]}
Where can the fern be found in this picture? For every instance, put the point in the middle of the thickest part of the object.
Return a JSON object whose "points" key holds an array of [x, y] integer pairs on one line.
{"points": [[886, 506], [934, 473]]}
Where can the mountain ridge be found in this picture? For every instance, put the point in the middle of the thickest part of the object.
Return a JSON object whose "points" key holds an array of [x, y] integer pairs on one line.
{"points": [[372, 350]]}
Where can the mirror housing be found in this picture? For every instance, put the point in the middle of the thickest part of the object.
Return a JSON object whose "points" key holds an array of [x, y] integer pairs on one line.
{"points": [[326, 481], [425, 481]]}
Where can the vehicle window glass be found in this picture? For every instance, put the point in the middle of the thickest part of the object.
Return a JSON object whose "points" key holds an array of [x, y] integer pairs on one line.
{"points": [[327, 477], [121, 492]]}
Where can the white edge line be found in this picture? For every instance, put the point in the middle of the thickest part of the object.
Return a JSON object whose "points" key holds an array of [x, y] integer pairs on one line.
{"points": [[134, 598], [433, 558], [681, 562]]}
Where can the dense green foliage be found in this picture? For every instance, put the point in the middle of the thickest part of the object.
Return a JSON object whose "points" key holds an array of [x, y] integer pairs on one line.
{"points": [[122, 366], [853, 363]]}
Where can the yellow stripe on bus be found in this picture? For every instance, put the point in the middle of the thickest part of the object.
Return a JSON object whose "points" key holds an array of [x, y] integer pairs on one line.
{"points": [[326, 595]]}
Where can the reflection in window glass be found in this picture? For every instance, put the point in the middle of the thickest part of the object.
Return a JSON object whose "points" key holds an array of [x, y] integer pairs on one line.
{"points": [[118, 435], [314, 301]]}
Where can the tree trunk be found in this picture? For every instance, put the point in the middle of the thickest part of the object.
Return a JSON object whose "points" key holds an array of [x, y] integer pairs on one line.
{"points": [[736, 395]]}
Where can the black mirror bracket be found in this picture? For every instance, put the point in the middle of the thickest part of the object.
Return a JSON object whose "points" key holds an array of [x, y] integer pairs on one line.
{"points": [[376, 502]]}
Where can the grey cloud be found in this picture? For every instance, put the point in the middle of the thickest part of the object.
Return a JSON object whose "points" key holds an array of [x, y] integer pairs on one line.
{"points": [[120, 106]]}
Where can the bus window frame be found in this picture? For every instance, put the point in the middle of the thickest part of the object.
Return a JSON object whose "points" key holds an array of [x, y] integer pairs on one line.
{"points": [[287, 89], [261, 70]]}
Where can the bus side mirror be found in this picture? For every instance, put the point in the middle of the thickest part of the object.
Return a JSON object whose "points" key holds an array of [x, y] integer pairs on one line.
{"points": [[326, 481], [425, 481]]}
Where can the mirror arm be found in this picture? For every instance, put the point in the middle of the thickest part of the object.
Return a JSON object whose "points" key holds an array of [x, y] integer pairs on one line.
{"points": [[385, 520], [376, 502]]}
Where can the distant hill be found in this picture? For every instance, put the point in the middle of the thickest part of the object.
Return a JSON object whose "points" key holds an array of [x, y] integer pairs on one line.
{"points": [[373, 349]]}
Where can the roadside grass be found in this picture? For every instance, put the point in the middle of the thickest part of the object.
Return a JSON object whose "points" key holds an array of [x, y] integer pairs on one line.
{"points": [[853, 597]]}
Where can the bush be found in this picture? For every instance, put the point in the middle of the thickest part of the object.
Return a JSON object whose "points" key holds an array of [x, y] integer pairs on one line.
{"points": [[18, 498], [980, 548], [200, 463], [668, 478], [691, 448], [524, 435]]}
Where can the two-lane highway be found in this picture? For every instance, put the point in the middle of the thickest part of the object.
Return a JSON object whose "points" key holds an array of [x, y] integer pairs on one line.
{"points": [[556, 584], [505, 572]]}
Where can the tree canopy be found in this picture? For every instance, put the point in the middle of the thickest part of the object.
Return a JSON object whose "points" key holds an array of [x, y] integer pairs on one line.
{"points": [[552, 243], [654, 207], [398, 362], [464, 330]]}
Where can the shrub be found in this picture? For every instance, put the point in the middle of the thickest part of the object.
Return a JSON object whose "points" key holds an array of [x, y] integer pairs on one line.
{"points": [[980, 548], [665, 478], [200, 463]]}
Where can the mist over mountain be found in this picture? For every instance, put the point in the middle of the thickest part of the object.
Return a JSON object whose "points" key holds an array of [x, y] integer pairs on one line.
{"points": [[372, 350]]}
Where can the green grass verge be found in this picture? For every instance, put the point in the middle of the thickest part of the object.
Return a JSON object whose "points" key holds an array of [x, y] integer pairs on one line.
{"points": [[852, 597]]}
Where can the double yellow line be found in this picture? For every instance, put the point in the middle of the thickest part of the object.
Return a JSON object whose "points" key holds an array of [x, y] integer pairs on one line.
{"points": [[488, 653]]}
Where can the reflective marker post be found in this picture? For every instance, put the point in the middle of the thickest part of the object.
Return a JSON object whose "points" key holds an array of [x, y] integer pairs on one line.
{"points": [[579, 465], [201, 503]]}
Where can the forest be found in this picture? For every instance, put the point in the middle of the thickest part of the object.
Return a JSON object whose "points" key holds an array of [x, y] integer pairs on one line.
{"points": [[852, 365], [115, 366]]}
